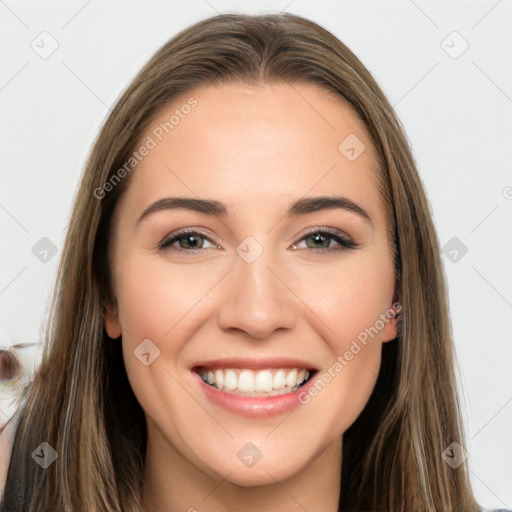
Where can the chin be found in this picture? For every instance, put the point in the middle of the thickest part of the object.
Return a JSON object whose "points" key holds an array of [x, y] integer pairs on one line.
{"points": [[261, 474], [246, 466]]}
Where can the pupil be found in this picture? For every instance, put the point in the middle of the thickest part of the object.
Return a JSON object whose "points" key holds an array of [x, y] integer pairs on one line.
{"points": [[191, 241], [320, 239]]}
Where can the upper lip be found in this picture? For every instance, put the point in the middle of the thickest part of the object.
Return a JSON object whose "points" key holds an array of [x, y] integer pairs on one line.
{"points": [[254, 363]]}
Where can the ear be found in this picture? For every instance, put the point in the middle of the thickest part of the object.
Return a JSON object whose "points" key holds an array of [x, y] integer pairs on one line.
{"points": [[390, 329], [111, 320]]}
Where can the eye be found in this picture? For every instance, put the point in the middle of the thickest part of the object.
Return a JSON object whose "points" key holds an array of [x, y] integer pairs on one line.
{"points": [[320, 241], [188, 240]]}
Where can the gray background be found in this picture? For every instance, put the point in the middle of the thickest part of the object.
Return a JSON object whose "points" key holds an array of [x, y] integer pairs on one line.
{"points": [[455, 104]]}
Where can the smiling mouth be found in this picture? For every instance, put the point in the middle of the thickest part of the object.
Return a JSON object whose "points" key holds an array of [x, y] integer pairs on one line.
{"points": [[264, 383]]}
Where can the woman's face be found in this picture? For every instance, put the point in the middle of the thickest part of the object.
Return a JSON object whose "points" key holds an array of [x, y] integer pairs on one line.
{"points": [[269, 284]]}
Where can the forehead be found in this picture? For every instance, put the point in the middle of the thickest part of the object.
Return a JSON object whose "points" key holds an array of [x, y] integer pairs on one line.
{"points": [[253, 145]]}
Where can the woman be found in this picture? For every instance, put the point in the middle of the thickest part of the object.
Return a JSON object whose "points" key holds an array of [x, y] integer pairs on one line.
{"points": [[251, 312]]}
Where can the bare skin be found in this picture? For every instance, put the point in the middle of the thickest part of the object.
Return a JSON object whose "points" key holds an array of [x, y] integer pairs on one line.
{"points": [[258, 150]]}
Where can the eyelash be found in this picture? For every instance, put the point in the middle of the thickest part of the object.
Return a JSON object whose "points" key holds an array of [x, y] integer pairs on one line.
{"points": [[343, 241]]}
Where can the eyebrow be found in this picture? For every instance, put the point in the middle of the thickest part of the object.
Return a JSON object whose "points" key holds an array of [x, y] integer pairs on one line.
{"points": [[302, 206]]}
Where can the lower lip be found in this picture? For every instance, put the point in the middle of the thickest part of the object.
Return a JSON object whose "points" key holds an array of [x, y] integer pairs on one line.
{"points": [[253, 407]]}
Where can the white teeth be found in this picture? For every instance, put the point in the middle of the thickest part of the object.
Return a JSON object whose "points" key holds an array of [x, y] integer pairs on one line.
{"points": [[230, 380], [219, 378], [279, 379], [263, 382], [245, 381], [291, 379]]}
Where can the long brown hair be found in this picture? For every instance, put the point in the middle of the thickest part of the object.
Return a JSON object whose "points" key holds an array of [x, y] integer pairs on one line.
{"points": [[81, 402]]}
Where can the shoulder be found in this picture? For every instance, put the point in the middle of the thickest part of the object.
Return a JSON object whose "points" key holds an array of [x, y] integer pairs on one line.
{"points": [[7, 434]]}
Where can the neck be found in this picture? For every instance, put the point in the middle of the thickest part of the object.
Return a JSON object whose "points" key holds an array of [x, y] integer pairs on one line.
{"points": [[173, 484]]}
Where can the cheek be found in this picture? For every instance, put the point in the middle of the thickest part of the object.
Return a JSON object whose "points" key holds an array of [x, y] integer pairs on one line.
{"points": [[348, 303], [155, 299], [163, 305], [350, 297]]}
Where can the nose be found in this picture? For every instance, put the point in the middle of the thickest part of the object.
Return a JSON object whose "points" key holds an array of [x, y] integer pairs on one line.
{"points": [[257, 298]]}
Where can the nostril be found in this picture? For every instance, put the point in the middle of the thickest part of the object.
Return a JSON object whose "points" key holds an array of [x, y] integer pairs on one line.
{"points": [[9, 366]]}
